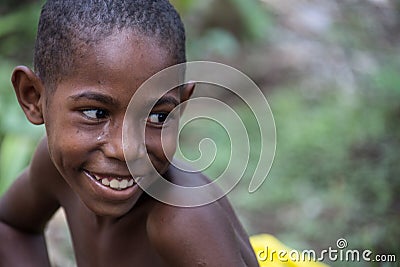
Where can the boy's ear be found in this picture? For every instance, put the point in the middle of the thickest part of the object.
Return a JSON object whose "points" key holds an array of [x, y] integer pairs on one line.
{"points": [[186, 93], [30, 93]]}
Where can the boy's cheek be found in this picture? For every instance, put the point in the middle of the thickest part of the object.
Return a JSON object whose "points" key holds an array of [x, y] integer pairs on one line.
{"points": [[161, 149], [68, 148], [170, 142], [64, 149]]}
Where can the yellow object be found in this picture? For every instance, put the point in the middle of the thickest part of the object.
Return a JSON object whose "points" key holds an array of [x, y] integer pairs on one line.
{"points": [[271, 252]]}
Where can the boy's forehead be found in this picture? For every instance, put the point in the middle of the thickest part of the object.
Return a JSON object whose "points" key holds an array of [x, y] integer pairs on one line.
{"points": [[117, 67], [124, 55]]}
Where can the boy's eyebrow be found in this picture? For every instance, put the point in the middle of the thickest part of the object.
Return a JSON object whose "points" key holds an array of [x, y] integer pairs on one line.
{"points": [[105, 99], [167, 100]]}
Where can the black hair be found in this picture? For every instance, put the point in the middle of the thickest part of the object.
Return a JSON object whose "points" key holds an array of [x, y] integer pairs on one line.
{"points": [[66, 26]]}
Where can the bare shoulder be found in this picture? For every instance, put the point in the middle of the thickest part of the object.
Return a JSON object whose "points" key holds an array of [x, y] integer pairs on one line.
{"points": [[31, 200], [209, 235]]}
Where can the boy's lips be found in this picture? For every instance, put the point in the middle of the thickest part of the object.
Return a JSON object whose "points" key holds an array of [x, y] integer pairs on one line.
{"points": [[120, 189], [114, 181]]}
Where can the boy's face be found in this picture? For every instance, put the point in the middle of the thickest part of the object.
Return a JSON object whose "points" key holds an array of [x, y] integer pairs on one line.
{"points": [[84, 118]]}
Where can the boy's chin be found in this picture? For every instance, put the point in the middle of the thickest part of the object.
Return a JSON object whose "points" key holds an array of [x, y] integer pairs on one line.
{"points": [[113, 210]]}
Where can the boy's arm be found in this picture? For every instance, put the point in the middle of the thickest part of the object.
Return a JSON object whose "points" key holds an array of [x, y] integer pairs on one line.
{"points": [[22, 249], [24, 211], [202, 236]]}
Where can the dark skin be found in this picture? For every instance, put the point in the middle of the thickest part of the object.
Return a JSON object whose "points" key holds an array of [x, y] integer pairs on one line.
{"points": [[83, 146]]}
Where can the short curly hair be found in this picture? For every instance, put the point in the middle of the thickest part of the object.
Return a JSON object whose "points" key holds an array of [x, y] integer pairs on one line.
{"points": [[67, 25]]}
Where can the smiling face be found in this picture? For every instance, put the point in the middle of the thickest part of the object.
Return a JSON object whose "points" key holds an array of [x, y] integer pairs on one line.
{"points": [[84, 121]]}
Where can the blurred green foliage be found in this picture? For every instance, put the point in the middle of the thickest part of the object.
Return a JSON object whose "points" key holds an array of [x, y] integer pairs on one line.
{"points": [[18, 23], [336, 172]]}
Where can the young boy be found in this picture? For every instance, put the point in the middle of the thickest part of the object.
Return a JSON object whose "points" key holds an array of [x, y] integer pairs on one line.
{"points": [[90, 58]]}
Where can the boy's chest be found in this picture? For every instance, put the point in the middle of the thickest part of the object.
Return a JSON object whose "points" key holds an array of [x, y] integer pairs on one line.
{"points": [[115, 252], [122, 243]]}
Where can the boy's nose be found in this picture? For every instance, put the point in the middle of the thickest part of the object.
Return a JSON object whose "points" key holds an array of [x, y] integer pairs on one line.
{"points": [[114, 146], [134, 148]]}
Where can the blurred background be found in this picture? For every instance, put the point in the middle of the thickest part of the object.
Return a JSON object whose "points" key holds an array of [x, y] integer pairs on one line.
{"points": [[330, 70]]}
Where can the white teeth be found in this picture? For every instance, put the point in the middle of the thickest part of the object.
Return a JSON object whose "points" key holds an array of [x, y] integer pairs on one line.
{"points": [[123, 184], [114, 184], [118, 184]]}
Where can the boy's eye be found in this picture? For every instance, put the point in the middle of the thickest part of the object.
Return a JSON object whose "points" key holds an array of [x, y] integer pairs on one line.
{"points": [[157, 118], [96, 114]]}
